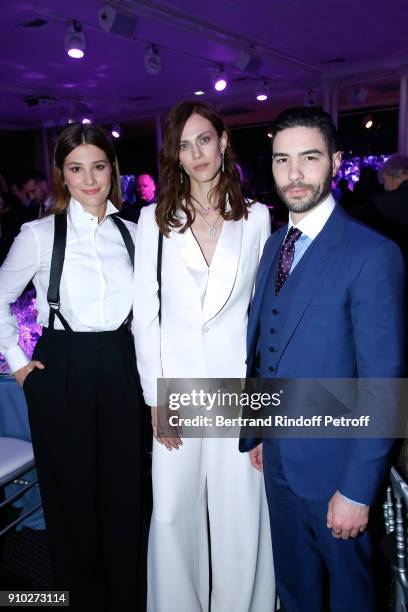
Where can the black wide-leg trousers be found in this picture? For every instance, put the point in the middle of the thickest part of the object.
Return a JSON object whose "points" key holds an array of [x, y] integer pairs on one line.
{"points": [[85, 413]]}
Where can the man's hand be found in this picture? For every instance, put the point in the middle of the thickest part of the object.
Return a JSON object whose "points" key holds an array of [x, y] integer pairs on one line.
{"points": [[22, 373], [256, 457], [345, 519], [169, 443]]}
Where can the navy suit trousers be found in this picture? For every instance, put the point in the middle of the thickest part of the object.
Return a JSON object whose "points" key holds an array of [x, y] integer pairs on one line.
{"points": [[304, 549]]}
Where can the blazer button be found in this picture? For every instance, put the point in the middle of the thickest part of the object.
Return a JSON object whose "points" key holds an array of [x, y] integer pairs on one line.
{"points": [[272, 330], [271, 369], [271, 349], [275, 311]]}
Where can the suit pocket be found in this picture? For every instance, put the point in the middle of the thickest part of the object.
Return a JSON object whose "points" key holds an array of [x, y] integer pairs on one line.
{"points": [[28, 378]]}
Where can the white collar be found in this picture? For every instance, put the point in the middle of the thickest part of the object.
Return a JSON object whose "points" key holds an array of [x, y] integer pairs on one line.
{"points": [[315, 220], [80, 215]]}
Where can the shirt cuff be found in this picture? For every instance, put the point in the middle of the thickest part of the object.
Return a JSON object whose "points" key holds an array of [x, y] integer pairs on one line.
{"points": [[16, 358], [150, 400], [352, 501]]}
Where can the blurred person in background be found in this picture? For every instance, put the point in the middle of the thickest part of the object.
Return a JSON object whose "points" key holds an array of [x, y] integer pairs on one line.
{"points": [[392, 205], [146, 194], [35, 187], [11, 218]]}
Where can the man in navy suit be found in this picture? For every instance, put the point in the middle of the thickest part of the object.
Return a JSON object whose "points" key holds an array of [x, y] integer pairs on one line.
{"points": [[328, 304]]}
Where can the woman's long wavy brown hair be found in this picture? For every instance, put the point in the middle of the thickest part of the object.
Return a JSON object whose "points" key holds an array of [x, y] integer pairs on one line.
{"points": [[173, 195], [73, 136]]}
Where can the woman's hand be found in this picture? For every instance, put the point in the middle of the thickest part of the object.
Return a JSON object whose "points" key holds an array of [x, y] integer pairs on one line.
{"points": [[256, 457], [22, 373], [169, 442]]}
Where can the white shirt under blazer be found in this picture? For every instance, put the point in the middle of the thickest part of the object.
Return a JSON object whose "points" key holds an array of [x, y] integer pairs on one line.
{"points": [[202, 335]]}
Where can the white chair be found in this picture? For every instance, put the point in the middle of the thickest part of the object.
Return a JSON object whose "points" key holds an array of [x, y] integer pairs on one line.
{"points": [[16, 459], [396, 522]]}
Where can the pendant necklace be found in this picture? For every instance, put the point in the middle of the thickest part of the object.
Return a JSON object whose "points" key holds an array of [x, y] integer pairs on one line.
{"points": [[212, 232]]}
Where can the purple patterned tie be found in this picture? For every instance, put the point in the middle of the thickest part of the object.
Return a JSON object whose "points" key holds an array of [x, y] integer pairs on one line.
{"points": [[286, 255]]}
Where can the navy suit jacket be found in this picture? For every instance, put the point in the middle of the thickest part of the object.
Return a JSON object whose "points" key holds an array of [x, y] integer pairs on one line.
{"points": [[345, 320]]}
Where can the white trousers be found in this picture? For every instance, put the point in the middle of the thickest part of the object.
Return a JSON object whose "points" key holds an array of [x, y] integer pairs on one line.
{"points": [[211, 474]]}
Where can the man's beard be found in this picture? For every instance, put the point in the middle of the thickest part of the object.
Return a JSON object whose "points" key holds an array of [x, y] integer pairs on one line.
{"points": [[317, 195]]}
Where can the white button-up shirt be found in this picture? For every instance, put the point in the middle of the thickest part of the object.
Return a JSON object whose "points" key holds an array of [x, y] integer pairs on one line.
{"points": [[96, 289]]}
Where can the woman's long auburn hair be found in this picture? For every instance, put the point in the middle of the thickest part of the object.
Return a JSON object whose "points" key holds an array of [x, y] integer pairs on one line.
{"points": [[73, 136], [173, 195]]}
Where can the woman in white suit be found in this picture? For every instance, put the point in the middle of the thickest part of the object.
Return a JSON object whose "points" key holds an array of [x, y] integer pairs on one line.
{"points": [[213, 240]]}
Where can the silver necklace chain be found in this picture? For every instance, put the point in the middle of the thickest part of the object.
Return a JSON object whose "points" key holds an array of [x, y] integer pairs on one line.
{"points": [[203, 207], [212, 232]]}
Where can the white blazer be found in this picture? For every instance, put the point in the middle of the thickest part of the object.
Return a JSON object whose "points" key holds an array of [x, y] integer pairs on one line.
{"points": [[196, 339]]}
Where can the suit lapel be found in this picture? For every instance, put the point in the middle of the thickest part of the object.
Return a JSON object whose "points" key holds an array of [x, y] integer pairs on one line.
{"points": [[319, 258], [223, 269], [224, 266], [189, 251]]}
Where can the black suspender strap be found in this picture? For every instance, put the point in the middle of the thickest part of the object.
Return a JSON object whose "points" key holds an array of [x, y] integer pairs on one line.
{"points": [[57, 263], [159, 269], [127, 238], [130, 247]]}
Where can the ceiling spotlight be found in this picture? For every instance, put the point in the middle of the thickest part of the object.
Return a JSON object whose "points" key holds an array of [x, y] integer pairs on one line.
{"points": [[152, 60], [368, 122], [116, 131], [83, 113], [75, 43], [269, 134], [219, 79], [199, 92], [262, 91]]}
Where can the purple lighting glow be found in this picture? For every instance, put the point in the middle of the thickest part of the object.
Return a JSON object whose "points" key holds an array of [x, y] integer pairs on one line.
{"points": [[350, 166], [26, 314]]}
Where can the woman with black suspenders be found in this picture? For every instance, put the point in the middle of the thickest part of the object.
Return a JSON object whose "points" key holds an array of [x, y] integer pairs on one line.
{"points": [[82, 387]]}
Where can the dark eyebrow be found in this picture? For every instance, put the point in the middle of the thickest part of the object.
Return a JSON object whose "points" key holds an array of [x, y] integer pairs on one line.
{"points": [[199, 136], [309, 152], [312, 152], [74, 163]]}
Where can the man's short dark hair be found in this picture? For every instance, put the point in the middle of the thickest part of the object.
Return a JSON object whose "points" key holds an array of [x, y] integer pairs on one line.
{"points": [[34, 175], [310, 117]]}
